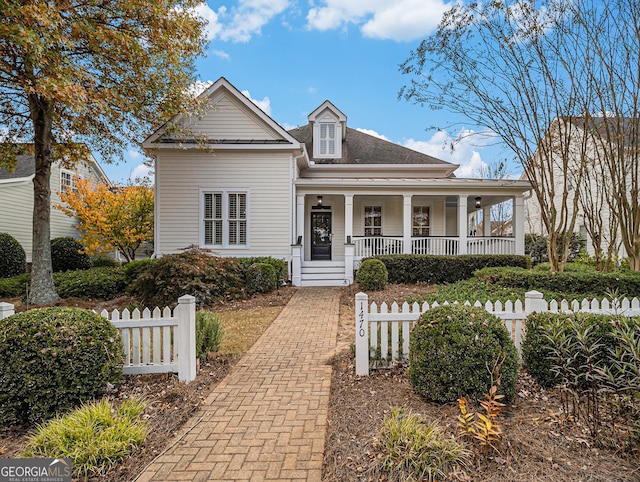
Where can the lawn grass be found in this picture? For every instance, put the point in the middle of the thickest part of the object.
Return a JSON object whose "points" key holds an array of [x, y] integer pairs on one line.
{"points": [[242, 328]]}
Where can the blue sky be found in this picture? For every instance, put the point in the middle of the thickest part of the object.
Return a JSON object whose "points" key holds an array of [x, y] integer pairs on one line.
{"points": [[289, 56]]}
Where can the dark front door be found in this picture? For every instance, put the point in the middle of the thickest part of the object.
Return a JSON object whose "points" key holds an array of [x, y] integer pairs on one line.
{"points": [[320, 236]]}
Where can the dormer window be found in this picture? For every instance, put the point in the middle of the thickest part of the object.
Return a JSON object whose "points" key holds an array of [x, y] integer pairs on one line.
{"points": [[329, 128], [327, 139]]}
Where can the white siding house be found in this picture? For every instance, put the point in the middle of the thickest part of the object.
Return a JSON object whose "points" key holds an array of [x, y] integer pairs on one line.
{"points": [[16, 198], [322, 196]]}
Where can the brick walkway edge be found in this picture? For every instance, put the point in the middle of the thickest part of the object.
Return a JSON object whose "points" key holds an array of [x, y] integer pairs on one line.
{"points": [[266, 420]]}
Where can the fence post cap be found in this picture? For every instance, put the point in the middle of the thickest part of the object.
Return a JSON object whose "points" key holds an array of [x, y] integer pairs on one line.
{"points": [[534, 294], [361, 295], [187, 299], [4, 304]]}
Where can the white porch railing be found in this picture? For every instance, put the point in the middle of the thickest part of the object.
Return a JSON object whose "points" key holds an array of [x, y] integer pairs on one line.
{"points": [[491, 245], [375, 245], [367, 246], [382, 335], [155, 341]]}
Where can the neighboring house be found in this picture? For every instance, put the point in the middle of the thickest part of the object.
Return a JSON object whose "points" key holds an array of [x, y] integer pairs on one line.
{"points": [[593, 211], [322, 196], [16, 198]]}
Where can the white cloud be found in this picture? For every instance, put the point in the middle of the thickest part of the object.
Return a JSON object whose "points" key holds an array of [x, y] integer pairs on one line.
{"points": [[222, 54], [264, 104], [141, 171], [462, 149], [373, 133], [198, 87], [312, 90], [400, 20], [240, 23]]}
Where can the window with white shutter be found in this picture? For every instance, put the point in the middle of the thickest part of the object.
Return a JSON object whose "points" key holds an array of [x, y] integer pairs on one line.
{"points": [[224, 219]]}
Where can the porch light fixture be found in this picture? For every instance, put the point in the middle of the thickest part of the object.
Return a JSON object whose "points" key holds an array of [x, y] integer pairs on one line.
{"points": [[319, 201], [478, 202]]}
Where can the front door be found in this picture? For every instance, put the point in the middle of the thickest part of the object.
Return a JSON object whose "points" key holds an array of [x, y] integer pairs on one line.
{"points": [[321, 236]]}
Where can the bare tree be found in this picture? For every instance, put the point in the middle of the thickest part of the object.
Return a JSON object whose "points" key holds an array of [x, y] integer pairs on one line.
{"points": [[509, 67]]}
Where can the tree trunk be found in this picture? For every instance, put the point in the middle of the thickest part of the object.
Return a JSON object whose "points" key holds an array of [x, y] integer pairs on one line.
{"points": [[42, 289]]}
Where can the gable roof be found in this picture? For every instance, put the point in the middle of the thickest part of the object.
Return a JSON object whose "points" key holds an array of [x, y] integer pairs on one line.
{"points": [[361, 148], [26, 169], [264, 130]]}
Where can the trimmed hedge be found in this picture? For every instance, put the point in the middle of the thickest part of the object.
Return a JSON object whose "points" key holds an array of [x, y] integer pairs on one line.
{"points": [[53, 359], [372, 275], [588, 283], [425, 268], [261, 278], [453, 349], [66, 255], [13, 259], [278, 264], [94, 283]]}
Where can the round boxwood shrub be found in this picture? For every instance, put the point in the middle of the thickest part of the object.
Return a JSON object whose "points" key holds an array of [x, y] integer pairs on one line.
{"points": [[13, 259], [103, 261], [372, 275], [66, 255], [133, 268], [53, 359], [261, 278], [453, 349]]}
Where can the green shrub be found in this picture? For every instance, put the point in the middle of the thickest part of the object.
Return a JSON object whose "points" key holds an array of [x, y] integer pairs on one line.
{"points": [[278, 264], [13, 259], [425, 268], [133, 268], [577, 281], [103, 261], [94, 283], [95, 436], [209, 333], [413, 449], [67, 255], [261, 278], [53, 359], [372, 275], [15, 287], [557, 344], [453, 350], [194, 272]]}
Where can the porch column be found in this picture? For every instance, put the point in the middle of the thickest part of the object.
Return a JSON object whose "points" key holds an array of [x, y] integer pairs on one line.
{"points": [[299, 217], [463, 224], [406, 223], [349, 247], [486, 221], [518, 223]]}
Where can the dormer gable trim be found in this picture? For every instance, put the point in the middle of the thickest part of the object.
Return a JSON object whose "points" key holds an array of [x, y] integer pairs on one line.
{"points": [[329, 127]]}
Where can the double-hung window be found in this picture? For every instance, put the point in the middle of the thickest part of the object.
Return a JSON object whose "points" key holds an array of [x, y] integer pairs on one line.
{"points": [[225, 218], [67, 183], [327, 139], [421, 221], [373, 220]]}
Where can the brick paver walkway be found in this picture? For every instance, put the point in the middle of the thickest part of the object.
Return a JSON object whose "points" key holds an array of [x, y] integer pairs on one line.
{"points": [[266, 420]]}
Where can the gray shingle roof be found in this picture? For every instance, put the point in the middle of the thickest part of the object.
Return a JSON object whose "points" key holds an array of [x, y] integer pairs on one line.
{"points": [[25, 167], [361, 148]]}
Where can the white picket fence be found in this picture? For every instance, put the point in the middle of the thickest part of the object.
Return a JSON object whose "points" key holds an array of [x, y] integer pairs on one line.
{"points": [[158, 341], [382, 333]]}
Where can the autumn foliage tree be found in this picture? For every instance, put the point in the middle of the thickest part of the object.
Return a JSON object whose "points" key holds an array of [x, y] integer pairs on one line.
{"points": [[92, 72], [111, 217]]}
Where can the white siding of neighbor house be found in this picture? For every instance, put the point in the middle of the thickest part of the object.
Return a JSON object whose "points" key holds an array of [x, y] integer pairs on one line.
{"points": [[16, 208], [230, 119], [182, 175]]}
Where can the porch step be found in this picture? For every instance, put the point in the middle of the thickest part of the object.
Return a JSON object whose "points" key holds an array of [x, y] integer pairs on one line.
{"points": [[323, 273]]}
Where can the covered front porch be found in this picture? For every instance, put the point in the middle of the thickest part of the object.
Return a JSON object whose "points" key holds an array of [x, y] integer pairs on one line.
{"points": [[334, 230]]}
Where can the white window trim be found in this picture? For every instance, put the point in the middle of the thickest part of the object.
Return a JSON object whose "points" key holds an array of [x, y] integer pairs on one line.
{"points": [[72, 176], [225, 218], [364, 213], [337, 146]]}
